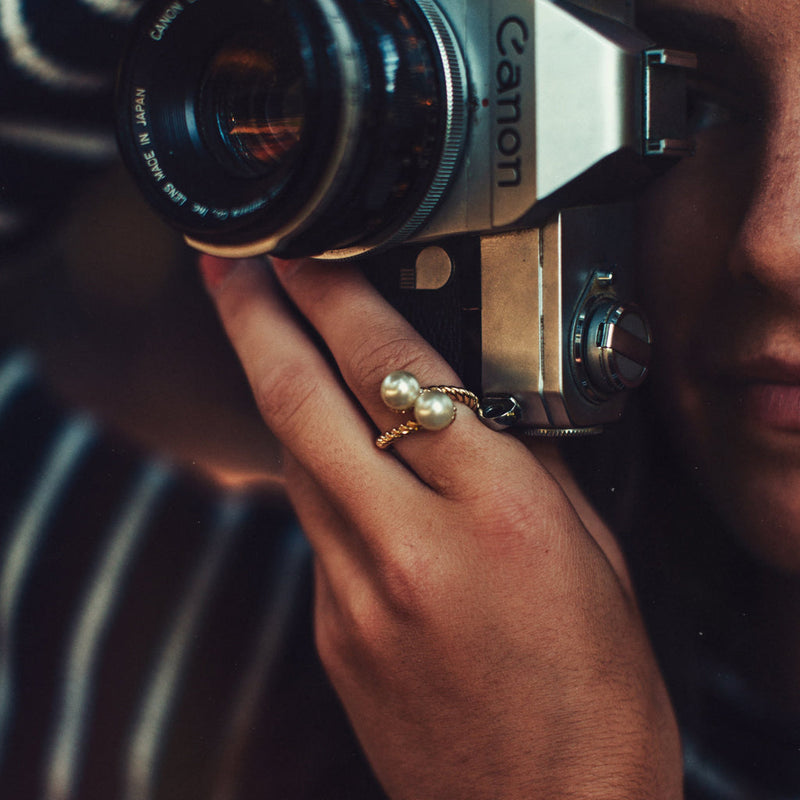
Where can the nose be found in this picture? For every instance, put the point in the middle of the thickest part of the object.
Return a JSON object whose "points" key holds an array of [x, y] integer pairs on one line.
{"points": [[767, 247]]}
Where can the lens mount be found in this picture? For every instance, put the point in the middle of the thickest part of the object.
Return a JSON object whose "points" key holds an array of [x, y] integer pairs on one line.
{"points": [[292, 126]]}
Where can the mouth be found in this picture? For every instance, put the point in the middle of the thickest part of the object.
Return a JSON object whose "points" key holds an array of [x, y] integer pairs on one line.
{"points": [[766, 391], [775, 405]]}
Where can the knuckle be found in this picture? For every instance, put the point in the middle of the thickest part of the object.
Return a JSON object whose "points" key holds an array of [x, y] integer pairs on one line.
{"points": [[371, 626], [413, 584], [375, 358], [513, 511], [285, 397], [331, 643], [520, 525], [405, 588], [368, 621], [358, 633]]}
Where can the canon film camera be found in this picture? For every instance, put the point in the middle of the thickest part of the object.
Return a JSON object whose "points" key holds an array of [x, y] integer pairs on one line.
{"points": [[473, 154]]}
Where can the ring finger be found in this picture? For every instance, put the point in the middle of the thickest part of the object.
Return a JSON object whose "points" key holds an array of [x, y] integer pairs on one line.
{"points": [[300, 396], [369, 339]]}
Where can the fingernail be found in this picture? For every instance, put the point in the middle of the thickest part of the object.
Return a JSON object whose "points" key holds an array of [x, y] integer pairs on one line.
{"points": [[214, 270]]}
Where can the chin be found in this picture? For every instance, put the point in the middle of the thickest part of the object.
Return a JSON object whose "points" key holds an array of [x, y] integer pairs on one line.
{"points": [[747, 473], [752, 481], [760, 503]]}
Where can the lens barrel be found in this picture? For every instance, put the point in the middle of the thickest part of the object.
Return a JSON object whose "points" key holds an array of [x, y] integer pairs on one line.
{"points": [[292, 126]]}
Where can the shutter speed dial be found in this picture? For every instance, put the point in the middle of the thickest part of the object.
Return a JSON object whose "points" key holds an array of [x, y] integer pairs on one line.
{"points": [[611, 347]]}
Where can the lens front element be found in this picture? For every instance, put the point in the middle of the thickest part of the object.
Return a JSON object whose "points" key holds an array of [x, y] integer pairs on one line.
{"points": [[253, 106]]}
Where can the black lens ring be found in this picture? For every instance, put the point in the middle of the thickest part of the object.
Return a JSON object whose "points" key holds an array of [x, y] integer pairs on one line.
{"points": [[412, 137], [158, 88], [400, 136], [437, 144], [450, 122], [453, 83], [372, 163]]}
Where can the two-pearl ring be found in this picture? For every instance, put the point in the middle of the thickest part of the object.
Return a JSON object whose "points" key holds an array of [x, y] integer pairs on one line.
{"points": [[433, 407]]}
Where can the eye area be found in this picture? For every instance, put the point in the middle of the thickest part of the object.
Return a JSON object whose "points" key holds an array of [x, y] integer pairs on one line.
{"points": [[713, 106], [707, 111]]}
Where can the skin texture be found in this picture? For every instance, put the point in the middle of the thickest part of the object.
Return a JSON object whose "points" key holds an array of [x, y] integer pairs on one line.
{"points": [[483, 641], [721, 245]]}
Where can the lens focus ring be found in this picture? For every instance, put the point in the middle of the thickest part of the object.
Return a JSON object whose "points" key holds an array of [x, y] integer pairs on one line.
{"points": [[455, 83], [454, 80]]}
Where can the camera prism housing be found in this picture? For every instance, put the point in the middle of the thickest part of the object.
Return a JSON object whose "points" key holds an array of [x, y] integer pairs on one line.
{"points": [[472, 155]]}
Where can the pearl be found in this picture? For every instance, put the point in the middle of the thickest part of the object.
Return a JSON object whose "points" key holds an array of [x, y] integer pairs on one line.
{"points": [[399, 390], [434, 410]]}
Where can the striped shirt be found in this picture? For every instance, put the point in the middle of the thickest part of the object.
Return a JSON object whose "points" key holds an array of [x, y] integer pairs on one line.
{"points": [[155, 634]]}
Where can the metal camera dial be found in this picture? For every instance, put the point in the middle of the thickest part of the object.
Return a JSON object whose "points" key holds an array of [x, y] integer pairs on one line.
{"points": [[612, 344]]}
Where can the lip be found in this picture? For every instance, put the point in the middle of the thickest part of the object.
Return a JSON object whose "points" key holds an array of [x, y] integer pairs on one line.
{"points": [[767, 369], [767, 391], [775, 405]]}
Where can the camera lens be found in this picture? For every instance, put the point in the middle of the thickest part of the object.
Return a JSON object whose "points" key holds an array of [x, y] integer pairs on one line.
{"points": [[292, 126], [252, 99]]}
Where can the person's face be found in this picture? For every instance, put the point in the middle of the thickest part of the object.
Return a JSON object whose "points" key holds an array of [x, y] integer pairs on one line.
{"points": [[721, 266]]}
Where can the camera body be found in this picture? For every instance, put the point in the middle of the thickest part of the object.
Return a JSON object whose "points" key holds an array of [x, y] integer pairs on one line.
{"points": [[474, 156]]}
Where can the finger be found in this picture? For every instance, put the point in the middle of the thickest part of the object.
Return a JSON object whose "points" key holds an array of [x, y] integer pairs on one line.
{"points": [[339, 552], [301, 398], [350, 569], [369, 339], [550, 456]]}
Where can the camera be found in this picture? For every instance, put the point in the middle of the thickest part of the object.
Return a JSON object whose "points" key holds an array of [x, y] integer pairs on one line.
{"points": [[475, 156]]}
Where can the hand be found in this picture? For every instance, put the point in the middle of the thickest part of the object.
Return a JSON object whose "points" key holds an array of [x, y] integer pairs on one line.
{"points": [[484, 644]]}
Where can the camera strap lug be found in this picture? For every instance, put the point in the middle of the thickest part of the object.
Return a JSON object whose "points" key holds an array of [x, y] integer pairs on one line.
{"points": [[500, 412]]}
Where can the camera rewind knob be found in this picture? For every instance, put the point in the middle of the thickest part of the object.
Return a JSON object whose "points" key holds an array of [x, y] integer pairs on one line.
{"points": [[617, 347]]}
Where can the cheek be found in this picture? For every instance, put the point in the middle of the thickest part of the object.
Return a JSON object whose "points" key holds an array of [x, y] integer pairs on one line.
{"points": [[688, 222], [684, 238], [680, 257], [691, 214]]}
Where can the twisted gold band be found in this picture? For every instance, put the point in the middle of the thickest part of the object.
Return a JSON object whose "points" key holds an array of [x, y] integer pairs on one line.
{"points": [[385, 439], [460, 395]]}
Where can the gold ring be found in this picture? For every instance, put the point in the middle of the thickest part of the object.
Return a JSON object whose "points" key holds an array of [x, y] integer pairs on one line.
{"points": [[433, 407], [460, 394], [385, 439]]}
